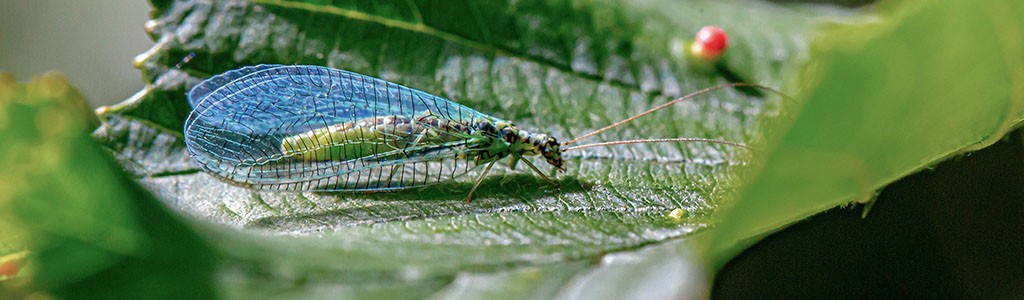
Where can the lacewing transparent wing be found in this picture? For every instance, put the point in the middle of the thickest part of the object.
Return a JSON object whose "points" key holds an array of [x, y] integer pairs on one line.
{"points": [[317, 128]]}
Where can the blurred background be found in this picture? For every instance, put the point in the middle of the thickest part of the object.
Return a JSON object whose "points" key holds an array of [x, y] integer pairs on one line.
{"points": [[92, 42]]}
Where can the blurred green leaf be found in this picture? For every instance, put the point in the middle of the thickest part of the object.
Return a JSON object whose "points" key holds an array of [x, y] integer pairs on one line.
{"points": [[880, 100], [92, 232]]}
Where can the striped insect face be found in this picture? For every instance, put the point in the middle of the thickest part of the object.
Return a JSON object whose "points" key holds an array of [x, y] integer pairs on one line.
{"points": [[552, 152], [537, 144], [524, 143]]}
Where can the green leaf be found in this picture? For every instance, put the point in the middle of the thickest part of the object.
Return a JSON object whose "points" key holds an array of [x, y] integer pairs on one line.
{"points": [[91, 231], [882, 100], [563, 68]]}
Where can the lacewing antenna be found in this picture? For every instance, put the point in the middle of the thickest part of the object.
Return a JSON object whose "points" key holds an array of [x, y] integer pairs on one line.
{"points": [[659, 107], [647, 141]]}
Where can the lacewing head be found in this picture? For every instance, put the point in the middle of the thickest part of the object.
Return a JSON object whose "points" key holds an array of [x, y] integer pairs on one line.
{"points": [[552, 152]]}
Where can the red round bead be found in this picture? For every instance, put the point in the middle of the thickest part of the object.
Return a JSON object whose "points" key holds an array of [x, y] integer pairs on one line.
{"points": [[709, 44], [713, 39]]}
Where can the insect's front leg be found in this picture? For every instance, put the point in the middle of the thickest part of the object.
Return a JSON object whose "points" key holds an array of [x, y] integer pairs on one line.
{"points": [[534, 168]]}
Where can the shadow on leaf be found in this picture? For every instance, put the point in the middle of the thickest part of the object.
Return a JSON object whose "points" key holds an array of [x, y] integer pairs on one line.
{"points": [[496, 194]]}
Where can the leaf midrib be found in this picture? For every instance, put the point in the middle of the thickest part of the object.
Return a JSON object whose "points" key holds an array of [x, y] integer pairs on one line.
{"points": [[454, 38]]}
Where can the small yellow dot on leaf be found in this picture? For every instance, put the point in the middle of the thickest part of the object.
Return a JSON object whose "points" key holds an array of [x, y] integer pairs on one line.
{"points": [[677, 214]]}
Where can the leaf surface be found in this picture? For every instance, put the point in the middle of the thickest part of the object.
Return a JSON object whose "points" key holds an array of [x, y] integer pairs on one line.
{"points": [[562, 68]]}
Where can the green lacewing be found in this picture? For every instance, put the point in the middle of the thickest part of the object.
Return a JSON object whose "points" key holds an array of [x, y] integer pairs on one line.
{"points": [[315, 128]]}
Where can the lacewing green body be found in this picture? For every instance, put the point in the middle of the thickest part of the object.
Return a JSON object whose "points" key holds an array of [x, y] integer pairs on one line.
{"points": [[313, 128], [322, 129]]}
